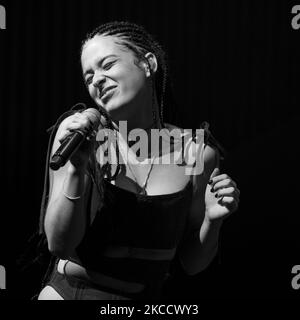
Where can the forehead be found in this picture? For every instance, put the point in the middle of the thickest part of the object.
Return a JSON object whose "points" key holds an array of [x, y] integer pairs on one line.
{"points": [[99, 47]]}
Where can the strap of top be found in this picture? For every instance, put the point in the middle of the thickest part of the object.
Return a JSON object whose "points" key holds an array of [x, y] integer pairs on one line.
{"points": [[209, 139]]}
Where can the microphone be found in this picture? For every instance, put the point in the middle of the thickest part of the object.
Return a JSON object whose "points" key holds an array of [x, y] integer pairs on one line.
{"points": [[73, 141]]}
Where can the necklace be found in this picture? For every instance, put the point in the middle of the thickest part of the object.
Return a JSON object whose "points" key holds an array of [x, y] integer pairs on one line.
{"points": [[142, 186]]}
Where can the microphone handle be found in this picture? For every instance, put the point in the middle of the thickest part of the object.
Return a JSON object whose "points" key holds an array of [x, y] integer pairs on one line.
{"points": [[66, 149]]}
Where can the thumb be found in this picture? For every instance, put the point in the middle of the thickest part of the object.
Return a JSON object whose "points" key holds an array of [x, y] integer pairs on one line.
{"points": [[215, 172]]}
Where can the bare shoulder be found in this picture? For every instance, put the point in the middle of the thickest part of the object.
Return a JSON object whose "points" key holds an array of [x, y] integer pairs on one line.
{"points": [[211, 158], [171, 127], [210, 154], [178, 133]]}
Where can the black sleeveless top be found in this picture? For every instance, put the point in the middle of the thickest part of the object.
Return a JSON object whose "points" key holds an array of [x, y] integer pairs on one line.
{"points": [[132, 220], [137, 221]]}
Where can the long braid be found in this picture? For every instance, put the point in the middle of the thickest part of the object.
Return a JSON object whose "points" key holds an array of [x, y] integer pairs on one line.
{"points": [[139, 41]]}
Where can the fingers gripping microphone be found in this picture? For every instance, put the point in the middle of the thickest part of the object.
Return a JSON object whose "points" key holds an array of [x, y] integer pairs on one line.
{"points": [[73, 141]]}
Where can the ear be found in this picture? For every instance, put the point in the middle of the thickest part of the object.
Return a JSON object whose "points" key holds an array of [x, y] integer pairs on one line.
{"points": [[152, 63]]}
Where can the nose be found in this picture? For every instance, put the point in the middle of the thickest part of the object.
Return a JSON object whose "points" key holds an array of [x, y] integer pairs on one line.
{"points": [[98, 81]]}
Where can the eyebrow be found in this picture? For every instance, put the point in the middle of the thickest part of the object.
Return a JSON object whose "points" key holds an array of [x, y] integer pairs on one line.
{"points": [[100, 62]]}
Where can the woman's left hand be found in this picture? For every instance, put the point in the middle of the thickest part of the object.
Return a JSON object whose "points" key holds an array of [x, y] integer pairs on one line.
{"points": [[221, 196]]}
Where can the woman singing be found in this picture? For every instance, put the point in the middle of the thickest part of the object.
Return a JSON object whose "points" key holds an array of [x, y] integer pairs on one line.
{"points": [[114, 229]]}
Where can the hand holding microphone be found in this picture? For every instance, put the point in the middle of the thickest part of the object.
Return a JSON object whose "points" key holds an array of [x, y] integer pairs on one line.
{"points": [[74, 137]]}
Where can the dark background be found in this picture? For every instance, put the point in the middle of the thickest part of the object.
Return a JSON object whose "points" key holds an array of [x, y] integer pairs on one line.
{"points": [[234, 64]]}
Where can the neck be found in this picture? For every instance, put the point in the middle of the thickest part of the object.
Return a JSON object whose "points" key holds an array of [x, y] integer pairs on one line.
{"points": [[144, 119]]}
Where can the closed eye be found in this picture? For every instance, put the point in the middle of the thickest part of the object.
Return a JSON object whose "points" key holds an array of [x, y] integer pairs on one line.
{"points": [[108, 65], [88, 80]]}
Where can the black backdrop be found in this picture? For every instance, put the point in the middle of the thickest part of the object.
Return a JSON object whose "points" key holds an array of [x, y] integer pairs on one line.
{"points": [[234, 63]]}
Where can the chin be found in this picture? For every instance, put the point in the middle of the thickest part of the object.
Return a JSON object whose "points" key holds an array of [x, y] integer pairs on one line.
{"points": [[116, 109], [108, 106]]}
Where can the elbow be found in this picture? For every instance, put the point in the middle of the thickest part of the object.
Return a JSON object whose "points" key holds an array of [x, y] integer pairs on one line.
{"points": [[189, 272], [57, 244], [59, 251], [188, 268], [192, 268], [194, 271], [58, 247], [61, 247]]}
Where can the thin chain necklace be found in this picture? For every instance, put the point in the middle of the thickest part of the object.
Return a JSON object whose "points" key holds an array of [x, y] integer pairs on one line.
{"points": [[142, 186]]}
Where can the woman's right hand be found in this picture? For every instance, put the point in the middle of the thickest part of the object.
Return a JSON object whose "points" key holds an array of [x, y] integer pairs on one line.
{"points": [[78, 121]]}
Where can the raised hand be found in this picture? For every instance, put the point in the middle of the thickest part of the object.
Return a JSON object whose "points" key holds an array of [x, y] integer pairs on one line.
{"points": [[221, 196]]}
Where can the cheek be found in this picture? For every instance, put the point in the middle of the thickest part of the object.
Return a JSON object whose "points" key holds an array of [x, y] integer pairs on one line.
{"points": [[92, 91], [132, 80]]}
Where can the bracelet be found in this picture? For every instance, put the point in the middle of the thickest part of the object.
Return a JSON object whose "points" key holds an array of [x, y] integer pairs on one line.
{"points": [[69, 197]]}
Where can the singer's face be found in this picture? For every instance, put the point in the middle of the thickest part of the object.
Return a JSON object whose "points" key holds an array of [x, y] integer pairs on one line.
{"points": [[114, 80]]}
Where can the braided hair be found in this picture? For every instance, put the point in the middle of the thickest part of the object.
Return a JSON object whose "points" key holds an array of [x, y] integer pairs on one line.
{"points": [[136, 39]]}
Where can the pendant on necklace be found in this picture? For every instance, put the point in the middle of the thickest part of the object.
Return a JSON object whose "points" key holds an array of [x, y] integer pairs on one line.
{"points": [[143, 192]]}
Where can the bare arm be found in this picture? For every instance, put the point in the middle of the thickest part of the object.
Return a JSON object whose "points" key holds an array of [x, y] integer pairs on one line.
{"points": [[65, 218], [200, 241], [216, 196]]}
